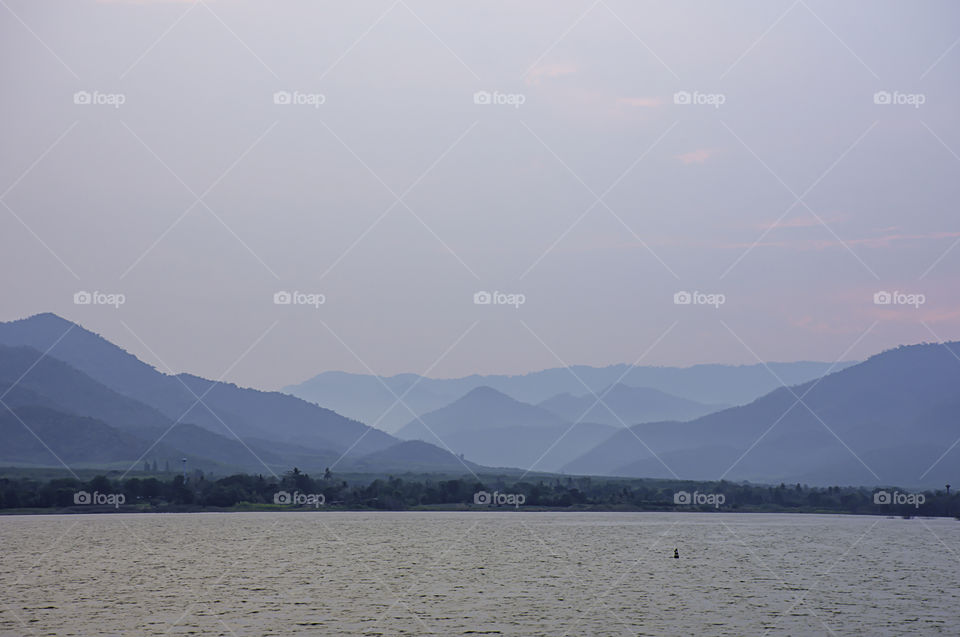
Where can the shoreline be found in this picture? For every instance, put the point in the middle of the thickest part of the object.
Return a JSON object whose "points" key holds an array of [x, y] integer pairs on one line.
{"points": [[109, 510]]}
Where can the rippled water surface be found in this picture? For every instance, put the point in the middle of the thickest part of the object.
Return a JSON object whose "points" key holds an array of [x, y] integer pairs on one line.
{"points": [[503, 573]]}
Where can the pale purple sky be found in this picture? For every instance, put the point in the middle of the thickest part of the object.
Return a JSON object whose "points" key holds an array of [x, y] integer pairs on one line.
{"points": [[589, 190]]}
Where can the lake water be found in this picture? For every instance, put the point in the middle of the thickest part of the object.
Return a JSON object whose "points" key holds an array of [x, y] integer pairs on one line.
{"points": [[497, 573]]}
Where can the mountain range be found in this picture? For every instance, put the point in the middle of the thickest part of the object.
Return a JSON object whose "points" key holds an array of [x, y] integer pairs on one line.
{"points": [[373, 399], [893, 419], [496, 430], [70, 397], [81, 390]]}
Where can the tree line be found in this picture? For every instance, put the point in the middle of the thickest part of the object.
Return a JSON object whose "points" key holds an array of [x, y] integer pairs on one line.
{"points": [[290, 490]]}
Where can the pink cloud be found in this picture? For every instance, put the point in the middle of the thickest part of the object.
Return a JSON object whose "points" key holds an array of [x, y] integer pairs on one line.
{"points": [[801, 221], [697, 156], [872, 242], [640, 102], [147, 1], [536, 75]]}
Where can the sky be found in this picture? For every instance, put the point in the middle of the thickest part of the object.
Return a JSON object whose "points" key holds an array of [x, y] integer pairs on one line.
{"points": [[455, 188]]}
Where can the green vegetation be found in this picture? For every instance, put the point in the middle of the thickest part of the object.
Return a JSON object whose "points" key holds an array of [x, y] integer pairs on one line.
{"points": [[36, 491]]}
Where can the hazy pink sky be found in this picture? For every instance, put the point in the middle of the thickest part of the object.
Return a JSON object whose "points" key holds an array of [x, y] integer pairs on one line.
{"points": [[796, 158]]}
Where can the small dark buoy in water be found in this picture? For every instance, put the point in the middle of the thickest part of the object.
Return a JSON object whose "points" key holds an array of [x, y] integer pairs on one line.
{"points": [[676, 554]]}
